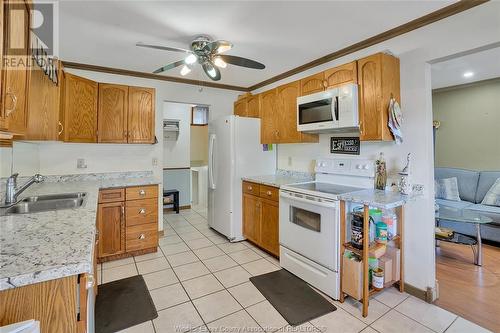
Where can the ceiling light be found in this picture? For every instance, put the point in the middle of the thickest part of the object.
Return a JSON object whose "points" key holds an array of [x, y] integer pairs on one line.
{"points": [[212, 72], [219, 62], [224, 47], [468, 74], [190, 59], [185, 70]]}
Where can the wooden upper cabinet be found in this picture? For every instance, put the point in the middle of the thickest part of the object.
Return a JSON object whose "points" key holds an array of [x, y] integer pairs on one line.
{"points": [[112, 115], [269, 122], [287, 112], [43, 106], [14, 81], [378, 78], [141, 115], [253, 106], [80, 109], [240, 107], [312, 84], [341, 75]]}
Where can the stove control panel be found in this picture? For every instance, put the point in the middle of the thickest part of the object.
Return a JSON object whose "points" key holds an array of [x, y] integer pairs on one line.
{"points": [[348, 167]]}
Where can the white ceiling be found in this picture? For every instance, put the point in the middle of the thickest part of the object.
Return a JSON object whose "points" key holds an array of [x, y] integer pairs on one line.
{"points": [[484, 65], [282, 35]]}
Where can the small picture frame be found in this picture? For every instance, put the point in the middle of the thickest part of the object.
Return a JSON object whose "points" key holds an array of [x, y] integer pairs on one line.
{"points": [[345, 145]]}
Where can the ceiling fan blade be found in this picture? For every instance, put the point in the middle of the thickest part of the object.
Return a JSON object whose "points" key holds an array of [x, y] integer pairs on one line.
{"points": [[164, 48], [169, 66], [211, 70], [243, 62], [218, 46]]}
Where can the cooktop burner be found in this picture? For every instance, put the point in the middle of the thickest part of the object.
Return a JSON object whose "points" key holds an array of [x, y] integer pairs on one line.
{"points": [[324, 187]]}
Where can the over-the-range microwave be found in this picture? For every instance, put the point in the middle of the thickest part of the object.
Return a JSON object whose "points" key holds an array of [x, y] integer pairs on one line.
{"points": [[332, 110]]}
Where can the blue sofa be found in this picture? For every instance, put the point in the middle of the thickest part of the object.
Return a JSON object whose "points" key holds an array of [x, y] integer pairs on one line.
{"points": [[472, 186]]}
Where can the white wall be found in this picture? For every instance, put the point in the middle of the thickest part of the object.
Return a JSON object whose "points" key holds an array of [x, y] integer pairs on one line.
{"points": [[176, 154], [468, 30]]}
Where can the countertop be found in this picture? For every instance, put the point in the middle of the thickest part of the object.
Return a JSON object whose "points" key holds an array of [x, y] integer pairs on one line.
{"points": [[276, 180], [379, 198], [49, 245]]}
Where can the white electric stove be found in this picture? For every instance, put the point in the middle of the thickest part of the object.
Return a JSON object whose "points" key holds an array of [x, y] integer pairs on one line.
{"points": [[310, 220]]}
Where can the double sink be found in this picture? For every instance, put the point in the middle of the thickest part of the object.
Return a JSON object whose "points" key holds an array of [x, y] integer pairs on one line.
{"points": [[44, 203]]}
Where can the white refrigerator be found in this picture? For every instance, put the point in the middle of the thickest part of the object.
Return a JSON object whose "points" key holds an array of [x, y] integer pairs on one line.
{"points": [[234, 151]]}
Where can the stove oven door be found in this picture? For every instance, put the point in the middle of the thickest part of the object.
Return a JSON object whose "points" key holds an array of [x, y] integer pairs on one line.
{"points": [[310, 226]]}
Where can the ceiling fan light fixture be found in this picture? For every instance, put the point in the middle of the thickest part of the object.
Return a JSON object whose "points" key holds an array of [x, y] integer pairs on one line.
{"points": [[219, 62], [185, 70], [191, 59], [224, 47]]}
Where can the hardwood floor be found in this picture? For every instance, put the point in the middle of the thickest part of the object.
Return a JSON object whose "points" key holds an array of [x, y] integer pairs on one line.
{"points": [[468, 290]]}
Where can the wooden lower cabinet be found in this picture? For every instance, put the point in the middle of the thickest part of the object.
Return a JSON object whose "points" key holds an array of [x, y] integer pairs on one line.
{"points": [[127, 222], [261, 217]]}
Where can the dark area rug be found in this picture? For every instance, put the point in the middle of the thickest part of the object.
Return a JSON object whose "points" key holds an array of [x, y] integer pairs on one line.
{"points": [[123, 303], [292, 297]]}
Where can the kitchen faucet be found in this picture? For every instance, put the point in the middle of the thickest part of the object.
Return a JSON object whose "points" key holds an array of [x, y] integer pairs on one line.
{"points": [[12, 192]]}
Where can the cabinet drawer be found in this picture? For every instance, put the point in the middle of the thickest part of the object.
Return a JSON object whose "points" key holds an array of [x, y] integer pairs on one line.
{"points": [[269, 192], [251, 188], [141, 211], [112, 195], [142, 236], [142, 192]]}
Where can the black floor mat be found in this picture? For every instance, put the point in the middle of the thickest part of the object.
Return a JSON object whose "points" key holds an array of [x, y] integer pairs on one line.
{"points": [[292, 297], [122, 304]]}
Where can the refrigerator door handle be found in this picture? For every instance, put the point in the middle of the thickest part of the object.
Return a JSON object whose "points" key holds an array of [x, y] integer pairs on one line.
{"points": [[211, 159]]}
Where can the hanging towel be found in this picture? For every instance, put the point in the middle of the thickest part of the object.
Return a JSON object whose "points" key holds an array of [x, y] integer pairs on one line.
{"points": [[395, 120]]}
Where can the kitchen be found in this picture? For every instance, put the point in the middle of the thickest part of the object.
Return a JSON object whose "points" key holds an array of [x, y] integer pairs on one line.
{"points": [[296, 152]]}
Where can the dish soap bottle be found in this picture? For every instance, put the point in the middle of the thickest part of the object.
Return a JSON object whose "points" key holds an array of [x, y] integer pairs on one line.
{"points": [[380, 173]]}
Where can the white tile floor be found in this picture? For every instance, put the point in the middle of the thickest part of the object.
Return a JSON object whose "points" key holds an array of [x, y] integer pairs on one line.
{"points": [[200, 283]]}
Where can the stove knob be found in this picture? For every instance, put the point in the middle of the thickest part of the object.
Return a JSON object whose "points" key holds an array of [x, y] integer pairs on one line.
{"points": [[358, 166], [366, 167]]}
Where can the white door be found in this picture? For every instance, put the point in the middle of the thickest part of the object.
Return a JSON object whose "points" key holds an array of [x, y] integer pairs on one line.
{"points": [[220, 175], [310, 228]]}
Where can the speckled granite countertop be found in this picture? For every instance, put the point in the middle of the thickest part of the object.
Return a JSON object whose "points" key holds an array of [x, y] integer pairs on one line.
{"points": [[378, 198], [280, 178], [49, 245]]}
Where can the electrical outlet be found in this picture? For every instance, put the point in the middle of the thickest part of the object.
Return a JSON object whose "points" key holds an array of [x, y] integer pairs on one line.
{"points": [[289, 160], [155, 161], [80, 163]]}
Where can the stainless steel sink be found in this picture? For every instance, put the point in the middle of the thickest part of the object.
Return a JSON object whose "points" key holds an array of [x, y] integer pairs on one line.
{"points": [[43, 203]]}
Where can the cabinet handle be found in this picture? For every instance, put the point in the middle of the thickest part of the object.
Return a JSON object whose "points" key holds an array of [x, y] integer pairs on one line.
{"points": [[325, 83], [125, 134], [142, 192], [61, 128], [142, 236], [123, 210], [142, 211], [14, 102], [269, 193], [360, 127], [250, 188]]}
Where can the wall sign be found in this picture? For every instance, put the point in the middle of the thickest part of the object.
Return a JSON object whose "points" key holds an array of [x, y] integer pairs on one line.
{"points": [[346, 145]]}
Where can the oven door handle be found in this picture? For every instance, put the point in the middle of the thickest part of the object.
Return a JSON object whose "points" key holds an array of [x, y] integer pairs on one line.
{"points": [[311, 202]]}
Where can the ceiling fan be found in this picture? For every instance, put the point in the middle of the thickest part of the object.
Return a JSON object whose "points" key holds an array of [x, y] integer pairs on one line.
{"points": [[208, 53]]}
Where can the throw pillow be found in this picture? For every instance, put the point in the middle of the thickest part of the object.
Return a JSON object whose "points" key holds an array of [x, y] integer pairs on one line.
{"points": [[492, 197], [447, 188]]}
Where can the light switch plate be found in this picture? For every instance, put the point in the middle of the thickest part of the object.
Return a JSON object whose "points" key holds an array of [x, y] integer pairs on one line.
{"points": [[80, 163]]}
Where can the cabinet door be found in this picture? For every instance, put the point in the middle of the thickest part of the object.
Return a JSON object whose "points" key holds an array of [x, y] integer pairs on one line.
{"points": [[341, 74], [141, 115], [112, 114], [268, 126], [253, 106], [111, 227], [369, 78], [287, 113], [240, 107], [312, 84], [269, 226], [16, 73], [80, 109], [43, 106], [251, 217]]}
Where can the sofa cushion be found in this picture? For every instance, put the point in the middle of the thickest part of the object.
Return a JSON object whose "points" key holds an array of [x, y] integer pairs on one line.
{"points": [[492, 212], [454, 204], [467, 181], [447, 188], [486, 181]]}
